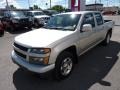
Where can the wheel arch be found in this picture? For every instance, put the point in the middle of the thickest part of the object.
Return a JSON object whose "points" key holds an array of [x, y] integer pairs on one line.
{"points": [[73, 50]]}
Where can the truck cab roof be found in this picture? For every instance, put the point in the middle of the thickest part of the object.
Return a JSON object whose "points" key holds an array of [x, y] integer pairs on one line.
{"points": [[81, 12]]}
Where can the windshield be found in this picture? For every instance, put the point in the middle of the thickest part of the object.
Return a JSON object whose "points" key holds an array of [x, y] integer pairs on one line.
{"points": [[38, 13], [63, 22], [17, 14], [29, 14]]}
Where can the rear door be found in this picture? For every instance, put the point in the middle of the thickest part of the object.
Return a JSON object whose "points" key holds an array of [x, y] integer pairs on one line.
{"points": [[99, 26]]}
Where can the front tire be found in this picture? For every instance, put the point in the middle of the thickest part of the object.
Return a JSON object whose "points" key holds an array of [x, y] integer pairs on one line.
{"points": [[64, 66], [36, 24]]}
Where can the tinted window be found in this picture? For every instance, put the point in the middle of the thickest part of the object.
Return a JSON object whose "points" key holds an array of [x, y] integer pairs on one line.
{"points": [[38, 13], [89, 19], [99, 18], [6, 14], [17, 14], [29, 14]]}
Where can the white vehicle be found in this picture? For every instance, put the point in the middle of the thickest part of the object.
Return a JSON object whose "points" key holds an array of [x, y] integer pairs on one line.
{"points": [[38, 18], [57, 45]]}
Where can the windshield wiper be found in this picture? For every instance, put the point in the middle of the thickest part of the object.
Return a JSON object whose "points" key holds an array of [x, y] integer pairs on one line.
{"points": [[69, 28], [56, 27], [52, 27]]}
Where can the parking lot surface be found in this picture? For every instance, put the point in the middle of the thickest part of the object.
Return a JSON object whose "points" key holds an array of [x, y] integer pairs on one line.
{"points": [[98, 69]]}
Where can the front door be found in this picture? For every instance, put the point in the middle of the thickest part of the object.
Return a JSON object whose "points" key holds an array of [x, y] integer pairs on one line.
{"points": [[87, 39]]}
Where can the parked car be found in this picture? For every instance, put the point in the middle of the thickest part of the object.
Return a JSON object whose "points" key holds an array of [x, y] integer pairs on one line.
{"points": [[109, 12], [58, 44], [1, 29], [1, 15], [50, 12], [16, 19], [38, 18]]}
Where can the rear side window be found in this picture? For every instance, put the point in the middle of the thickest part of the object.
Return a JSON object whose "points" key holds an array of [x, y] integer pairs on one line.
{"points": [[99, 18], [6, 14], [89, 19]]}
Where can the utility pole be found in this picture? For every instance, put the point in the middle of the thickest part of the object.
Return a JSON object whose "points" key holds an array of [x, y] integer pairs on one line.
{"points": [[95, 4], [50, 3], [29, 4]]}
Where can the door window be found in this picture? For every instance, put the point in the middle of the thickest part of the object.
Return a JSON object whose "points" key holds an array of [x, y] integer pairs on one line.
{"points": [[99, 18], [89, 19]]}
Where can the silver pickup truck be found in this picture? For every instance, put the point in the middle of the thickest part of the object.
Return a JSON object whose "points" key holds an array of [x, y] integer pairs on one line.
{"points": [[58, 44]]}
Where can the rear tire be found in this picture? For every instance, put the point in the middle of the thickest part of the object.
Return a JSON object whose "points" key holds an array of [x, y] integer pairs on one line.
{"points": [[63, 66], [106, 41]]}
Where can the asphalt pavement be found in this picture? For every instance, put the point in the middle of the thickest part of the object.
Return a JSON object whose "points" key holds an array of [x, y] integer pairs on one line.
{"points": [[98, 69]]}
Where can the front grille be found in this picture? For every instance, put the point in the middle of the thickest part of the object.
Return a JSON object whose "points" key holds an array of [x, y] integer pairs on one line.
{"points": [[46, 18], [21, 47], [20, 54]]}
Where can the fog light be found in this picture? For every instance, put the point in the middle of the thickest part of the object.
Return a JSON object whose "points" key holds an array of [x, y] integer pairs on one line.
{"points": [[39, 60]]}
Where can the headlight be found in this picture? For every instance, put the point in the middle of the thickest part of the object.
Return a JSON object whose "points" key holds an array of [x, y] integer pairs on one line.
{"points": [[40, 60], [15, 20], [40, 50]]}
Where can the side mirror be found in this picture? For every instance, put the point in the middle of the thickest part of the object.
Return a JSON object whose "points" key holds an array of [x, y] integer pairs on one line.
{"points": [[86, 28]]}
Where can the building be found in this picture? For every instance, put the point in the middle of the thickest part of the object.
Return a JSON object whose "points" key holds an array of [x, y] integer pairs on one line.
{"points": [[76, 5], [94, 7], [113, 9]]}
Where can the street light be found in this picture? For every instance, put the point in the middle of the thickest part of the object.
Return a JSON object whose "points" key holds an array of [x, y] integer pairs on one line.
{"points": [[50, 3]]}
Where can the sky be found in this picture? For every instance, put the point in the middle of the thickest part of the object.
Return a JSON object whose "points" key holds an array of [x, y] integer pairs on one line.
{"points": [[42, 3]]}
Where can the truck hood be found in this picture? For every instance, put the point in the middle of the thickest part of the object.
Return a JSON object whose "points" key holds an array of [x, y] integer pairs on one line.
{"points": [[41, 37], [41, 16], [20, 18]]}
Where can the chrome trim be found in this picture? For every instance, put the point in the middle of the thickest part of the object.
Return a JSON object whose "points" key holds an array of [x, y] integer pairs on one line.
{"points": [[21, 51], [28, 54], [31, 67], [39, 55]]}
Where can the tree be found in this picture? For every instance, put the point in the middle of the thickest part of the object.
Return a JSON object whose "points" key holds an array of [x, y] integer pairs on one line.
{"points": [[58, 8], [31, 8], [35, 7], [12, 7]]}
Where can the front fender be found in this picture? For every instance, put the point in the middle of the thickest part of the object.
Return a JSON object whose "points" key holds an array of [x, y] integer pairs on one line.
{"points": [[61, 47]]}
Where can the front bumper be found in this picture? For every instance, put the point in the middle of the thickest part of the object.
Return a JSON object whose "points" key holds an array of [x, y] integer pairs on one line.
{"points": [[31, 67], [26, 24]]}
